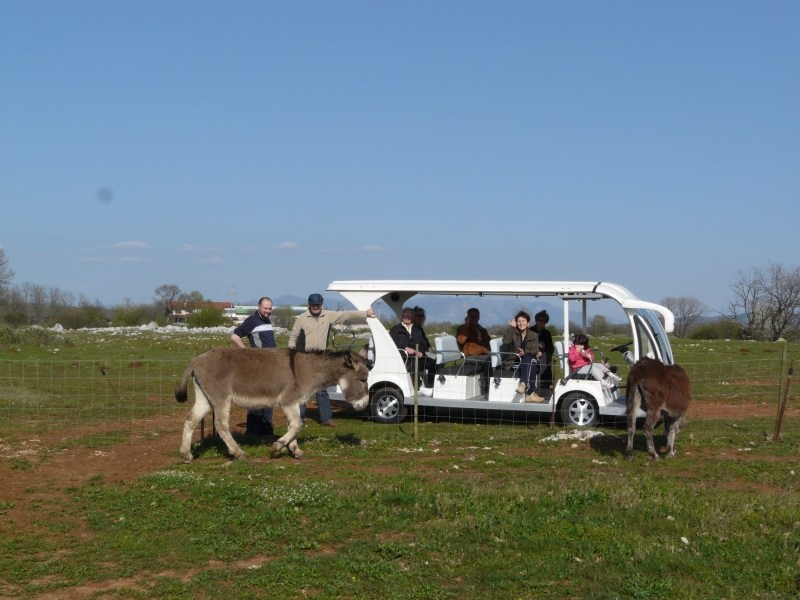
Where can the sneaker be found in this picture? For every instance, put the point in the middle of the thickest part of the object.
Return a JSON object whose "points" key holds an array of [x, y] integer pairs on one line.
{"points": [[426, 391], [328, 423], [534, 397], [521, 388]]}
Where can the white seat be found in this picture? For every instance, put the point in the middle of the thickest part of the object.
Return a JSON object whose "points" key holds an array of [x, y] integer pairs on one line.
{"points": [[494, 346], [447, 350]]}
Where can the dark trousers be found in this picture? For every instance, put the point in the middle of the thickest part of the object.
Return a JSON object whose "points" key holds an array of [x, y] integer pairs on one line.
{"points": [[426, 368]]}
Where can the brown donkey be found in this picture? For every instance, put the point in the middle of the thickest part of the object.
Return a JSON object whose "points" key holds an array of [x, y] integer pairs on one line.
{"points": [[258, 377], [661, 390]]}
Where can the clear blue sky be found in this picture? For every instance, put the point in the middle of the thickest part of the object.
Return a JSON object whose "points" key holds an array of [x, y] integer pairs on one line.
{"points": [[270, 147]]}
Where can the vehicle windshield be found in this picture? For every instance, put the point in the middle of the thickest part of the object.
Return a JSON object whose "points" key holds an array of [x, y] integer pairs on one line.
{"points": [[653, 341]]}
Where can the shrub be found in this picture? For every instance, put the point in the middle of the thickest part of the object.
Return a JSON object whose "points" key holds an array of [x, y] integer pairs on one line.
{"points": [[724, 329], [208, 317]]}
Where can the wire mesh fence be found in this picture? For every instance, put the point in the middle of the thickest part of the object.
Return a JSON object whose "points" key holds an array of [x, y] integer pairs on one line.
{"points": [[104, 399]]}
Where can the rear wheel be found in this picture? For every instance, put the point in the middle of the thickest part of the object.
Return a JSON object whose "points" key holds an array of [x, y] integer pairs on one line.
{"points": [[580, 411], [387, 406]]}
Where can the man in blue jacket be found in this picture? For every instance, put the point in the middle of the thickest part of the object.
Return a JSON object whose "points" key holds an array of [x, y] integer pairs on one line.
{"points": [[259, 332]]}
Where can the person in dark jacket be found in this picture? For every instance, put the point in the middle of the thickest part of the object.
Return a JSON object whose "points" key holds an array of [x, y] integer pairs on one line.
{"points": [[257, 328], [541, 319], [409, 337]]}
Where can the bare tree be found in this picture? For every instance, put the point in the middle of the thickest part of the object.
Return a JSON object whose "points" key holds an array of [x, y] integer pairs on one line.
{"points": [[166, 295], [6, 275], [687, 311], [36, 297], [769, 301]]}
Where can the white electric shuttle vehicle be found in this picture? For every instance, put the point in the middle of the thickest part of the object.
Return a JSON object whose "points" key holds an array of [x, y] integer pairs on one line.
{"points": [[579, 401]]}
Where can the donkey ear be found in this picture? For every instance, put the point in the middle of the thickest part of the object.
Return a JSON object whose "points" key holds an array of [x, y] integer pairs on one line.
{"points": [[348, 359]]}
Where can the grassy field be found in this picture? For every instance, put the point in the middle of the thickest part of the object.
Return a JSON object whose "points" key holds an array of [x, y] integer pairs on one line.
{"points": [[468, 508]]}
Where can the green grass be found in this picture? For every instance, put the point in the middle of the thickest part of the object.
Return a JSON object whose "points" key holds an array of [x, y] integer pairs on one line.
{"points": [[467, 510], [517, 518]]}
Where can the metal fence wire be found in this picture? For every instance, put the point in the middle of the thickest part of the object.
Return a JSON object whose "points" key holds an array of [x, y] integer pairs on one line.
{"points": [[102, 398]]}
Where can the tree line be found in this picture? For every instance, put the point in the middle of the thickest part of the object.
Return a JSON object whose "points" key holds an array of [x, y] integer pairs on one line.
{"points": [[765, 306]]}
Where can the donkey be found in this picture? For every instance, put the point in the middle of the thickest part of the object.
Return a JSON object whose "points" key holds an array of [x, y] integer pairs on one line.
{"points": [[259, 377], [662, 390]]}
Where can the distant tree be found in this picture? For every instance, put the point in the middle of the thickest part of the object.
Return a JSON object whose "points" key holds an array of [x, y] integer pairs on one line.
{"points": [[687, 311], [129, 314], [195, 297], [36, 298], [768, 299], [16, 307], [58, 301], [6, 275], [86, 314], [598, 325], [283, 316], [165, 295]]}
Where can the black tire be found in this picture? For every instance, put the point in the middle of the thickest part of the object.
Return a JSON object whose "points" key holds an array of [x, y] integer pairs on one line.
{"points": [[387, 406], [580, 410]]}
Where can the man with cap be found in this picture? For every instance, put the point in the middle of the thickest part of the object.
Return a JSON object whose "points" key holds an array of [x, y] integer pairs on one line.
{"points": [[310, 334], [259, 332]]}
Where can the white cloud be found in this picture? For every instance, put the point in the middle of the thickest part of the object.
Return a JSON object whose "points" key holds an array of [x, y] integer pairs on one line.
{"points": [[286, 246], [133, 245]]}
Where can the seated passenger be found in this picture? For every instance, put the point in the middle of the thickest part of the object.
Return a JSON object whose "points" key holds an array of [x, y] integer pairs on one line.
{"points": [[411, 339], [579, 354], [581, 360], [473, 340], [430, 364], [541, 319], [524, 343]]}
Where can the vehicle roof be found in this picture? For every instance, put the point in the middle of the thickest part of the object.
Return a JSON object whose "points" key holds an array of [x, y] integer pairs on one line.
{"points": [[364, 292], [596, 289]]}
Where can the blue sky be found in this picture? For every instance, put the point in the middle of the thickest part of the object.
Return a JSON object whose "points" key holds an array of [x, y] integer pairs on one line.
{"points": [[269, 147]]}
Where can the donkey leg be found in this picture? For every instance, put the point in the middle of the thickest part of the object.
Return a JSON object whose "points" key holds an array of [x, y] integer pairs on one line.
{"points": [[222, 416], [649, 426], [633, 409], [675, 426], [289, 439], [195, 415]]}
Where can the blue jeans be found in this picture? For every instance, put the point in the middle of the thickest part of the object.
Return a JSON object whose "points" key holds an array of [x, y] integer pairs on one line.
{"points": [[528, 369], [324, 404], [265, 413]]}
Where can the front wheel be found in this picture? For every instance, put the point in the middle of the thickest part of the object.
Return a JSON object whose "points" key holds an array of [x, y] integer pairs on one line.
{"points": [[387, 406], [580, 411]]}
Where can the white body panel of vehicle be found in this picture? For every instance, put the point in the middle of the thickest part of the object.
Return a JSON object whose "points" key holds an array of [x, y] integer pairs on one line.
{"points": [[580, 402]]}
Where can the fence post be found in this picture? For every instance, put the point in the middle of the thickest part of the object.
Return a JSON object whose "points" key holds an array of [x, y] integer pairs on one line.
{"points": [[777, 436], [416, 393]]}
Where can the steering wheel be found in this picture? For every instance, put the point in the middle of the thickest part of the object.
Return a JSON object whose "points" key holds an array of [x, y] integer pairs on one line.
{"points": [[621, 347]]}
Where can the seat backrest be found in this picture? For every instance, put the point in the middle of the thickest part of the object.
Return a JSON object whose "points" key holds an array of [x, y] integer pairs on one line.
{"points": [[494, 346], [447, 349]]}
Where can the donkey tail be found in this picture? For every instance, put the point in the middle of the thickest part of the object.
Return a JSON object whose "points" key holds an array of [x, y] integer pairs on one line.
{"points": [[181, 390]]}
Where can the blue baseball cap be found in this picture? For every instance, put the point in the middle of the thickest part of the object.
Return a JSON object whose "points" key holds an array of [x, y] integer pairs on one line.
{"points": [[315, 299]]}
